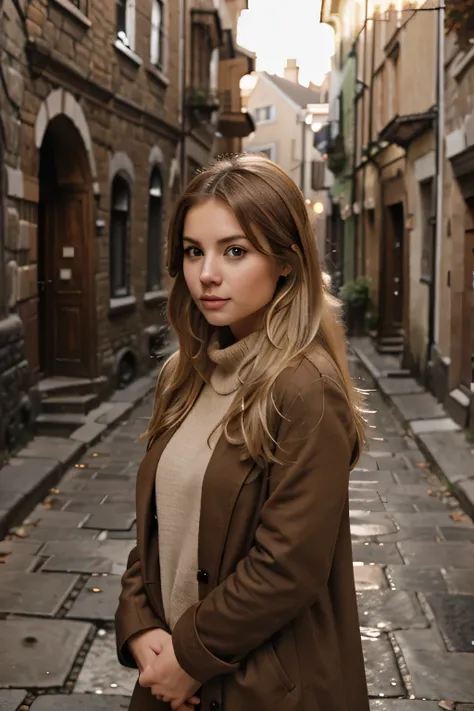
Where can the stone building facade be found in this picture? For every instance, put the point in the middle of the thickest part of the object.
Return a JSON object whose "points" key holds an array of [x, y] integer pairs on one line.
{"points": [[99, 132]]}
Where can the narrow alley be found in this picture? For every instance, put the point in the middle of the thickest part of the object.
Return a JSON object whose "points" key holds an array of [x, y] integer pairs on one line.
{"points": [[414, 568]]}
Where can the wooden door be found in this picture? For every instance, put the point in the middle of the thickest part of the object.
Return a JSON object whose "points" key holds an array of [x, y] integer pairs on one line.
{"points": [[393, 277], [467, 321], [68, 316]]}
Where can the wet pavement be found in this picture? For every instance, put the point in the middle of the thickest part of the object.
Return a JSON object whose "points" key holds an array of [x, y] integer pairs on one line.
{"points": [[414, 568]]}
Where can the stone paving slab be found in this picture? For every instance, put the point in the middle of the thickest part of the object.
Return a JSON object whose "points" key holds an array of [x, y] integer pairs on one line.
{"points": [[399, 386], [98, 600], [10, 699], [102, 671], [136, 391], [451, 454], [428, 640], [441, 675], [414, 534], [116, 551], [422, 406], [438, 555], [401, 705], [389, 610], [60, 448], [21, 562], [370, 577], [44, 533], [444, 424], [366, 523], [426, 519], [39, 653], [56, 519], [383, 676], [79, 702], [408, 577], [459, 581], [88, 433], [118, 411], [383, 554], [34, 594], [110, 519], [77, 564], [454, 615]]}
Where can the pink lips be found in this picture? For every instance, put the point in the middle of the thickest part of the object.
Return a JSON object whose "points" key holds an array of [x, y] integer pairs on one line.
{"points": [[213, 303]]}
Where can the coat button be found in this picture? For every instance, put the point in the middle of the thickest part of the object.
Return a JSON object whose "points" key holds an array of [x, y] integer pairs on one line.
{"points": [[203, 576], [214, 706]]}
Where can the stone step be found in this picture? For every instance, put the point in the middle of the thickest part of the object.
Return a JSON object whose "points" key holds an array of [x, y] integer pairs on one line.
{"points": [[59, 424], [390, 349], [72, 386], [81, 404]]}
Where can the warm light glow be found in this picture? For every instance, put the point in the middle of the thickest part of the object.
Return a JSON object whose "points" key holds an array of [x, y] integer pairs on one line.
{"points": [[308, 120], [318, 208], [316, 126]]}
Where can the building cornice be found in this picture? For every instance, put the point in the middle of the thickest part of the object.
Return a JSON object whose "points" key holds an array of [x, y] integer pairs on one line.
{"points": [[51, 65]]}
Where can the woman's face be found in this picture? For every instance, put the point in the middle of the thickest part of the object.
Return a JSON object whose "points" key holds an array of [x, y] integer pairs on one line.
{"points": [[230, 281]]}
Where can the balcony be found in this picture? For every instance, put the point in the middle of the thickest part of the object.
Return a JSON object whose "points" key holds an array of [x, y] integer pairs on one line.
{"points": [[233, 122], [202, 100], [403, 130]]}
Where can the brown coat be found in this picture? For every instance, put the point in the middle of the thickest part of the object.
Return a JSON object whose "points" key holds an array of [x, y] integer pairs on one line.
{"points": [[276, 628]]}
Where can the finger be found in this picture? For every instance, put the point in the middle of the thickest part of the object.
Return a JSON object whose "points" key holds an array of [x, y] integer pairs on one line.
{"points": [[146, 677], [194, 700]]}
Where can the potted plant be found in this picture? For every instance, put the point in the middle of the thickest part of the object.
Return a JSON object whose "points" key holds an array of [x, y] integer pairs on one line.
{"points": [[459, 17], [355, 295]]}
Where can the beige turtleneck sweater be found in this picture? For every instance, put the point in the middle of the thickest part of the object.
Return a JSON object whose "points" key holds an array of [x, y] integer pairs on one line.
{"points": [[180, 475]]}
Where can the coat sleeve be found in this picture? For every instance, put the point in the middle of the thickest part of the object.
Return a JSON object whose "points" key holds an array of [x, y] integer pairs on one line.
{"points": [[290, 561], [134, 613]]}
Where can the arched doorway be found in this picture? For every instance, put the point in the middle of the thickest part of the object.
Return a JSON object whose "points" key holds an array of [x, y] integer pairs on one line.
{"points": [[67, 325]]}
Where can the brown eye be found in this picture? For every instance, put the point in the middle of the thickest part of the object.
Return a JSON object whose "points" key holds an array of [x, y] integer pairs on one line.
{"points": [[236, 252]]}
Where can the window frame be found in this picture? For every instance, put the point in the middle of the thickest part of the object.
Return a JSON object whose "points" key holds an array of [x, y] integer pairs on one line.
{"points": [[159, 62], [125, 32], [119, 287], [272, 114], [267, 148], [155, 231]]}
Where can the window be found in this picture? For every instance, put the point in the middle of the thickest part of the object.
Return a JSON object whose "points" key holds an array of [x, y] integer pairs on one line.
{"points": [[265, 114], [269, 151], [125, 19], [119, 222], [157, 35], [155, 218]]}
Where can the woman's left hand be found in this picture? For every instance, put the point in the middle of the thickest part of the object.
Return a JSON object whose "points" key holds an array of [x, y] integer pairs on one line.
{"points": [[168, 681]]}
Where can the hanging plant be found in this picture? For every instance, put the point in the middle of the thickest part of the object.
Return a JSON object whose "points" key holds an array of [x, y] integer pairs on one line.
{"points": [[459, 18]]}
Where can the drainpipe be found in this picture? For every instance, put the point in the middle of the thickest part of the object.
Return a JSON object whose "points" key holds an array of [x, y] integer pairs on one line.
{"points": [[371, 128], [433, 326], [354, 147], [183, 65]]}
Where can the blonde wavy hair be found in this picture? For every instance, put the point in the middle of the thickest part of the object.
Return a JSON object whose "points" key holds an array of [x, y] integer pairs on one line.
{"points": [[266, 202]]}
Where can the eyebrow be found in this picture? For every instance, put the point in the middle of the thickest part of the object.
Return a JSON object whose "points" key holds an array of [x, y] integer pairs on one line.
{"points": [[223, 240]]}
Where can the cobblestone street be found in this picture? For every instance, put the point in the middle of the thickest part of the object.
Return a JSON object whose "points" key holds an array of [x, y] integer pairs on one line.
{"points": [[414, 566]]}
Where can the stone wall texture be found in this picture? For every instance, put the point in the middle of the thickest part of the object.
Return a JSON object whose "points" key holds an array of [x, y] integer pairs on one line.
{"points": [[61, 61]]}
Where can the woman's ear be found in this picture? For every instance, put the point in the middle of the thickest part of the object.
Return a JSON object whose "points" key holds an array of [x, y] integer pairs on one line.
{"points": [[286, 269]]}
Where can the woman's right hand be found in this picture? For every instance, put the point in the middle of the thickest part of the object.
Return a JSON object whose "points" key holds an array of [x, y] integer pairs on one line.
{"points": [[145, 647]]}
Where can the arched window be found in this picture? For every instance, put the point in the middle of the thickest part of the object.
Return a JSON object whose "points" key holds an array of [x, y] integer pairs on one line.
{"points": [[155, 219], [119, 226]]}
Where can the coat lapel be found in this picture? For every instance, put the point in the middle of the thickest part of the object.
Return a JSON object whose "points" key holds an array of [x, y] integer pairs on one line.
{"points": [[224, 478]]}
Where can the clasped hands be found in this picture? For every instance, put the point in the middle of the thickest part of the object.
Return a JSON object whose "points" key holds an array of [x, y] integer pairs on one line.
{"points": [[160, 671]]}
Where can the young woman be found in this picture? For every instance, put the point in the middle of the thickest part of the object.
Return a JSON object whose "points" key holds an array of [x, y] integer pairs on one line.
{"points": [[240, 593]]}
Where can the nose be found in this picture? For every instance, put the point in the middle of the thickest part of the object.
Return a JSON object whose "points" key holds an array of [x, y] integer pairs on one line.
{"points": [[210, 272]]}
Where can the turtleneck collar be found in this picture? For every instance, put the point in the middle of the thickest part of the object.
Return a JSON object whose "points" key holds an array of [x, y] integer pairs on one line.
{"points": [[229, 362]]}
